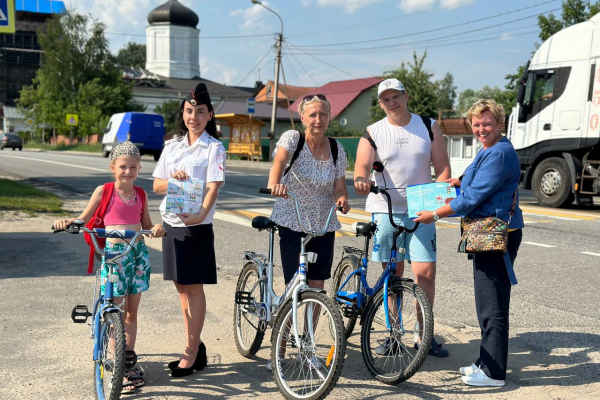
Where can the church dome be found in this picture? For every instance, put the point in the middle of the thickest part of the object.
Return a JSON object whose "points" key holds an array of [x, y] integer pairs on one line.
{"points": [[174, 13]]}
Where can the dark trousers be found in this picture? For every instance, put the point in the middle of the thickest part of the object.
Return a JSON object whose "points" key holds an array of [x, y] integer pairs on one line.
{"points": [[492, 301]]}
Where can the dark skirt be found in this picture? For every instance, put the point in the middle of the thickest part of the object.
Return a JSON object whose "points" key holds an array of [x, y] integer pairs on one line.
{"points": [[189, 255], [289, 245]]}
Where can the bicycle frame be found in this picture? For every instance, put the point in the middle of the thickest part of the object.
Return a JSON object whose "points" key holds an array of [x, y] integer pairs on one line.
{"points": [[272, 303], [361, 298]]}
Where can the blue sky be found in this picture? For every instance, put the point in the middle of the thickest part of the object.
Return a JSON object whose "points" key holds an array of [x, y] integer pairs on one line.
{"points": [[478, 41]]}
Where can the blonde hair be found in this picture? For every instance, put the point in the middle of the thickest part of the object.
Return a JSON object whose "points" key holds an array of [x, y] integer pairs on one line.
{"points": [[303, 104], [482, 105]]}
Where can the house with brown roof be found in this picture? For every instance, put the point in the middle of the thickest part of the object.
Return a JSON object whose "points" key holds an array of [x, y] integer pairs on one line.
{"points": [[350, 100], [284, 92]]}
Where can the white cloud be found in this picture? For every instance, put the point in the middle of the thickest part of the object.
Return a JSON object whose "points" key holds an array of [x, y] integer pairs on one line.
{"points": [[253, 18], [218, 72], [349, 5], [505, 36], [418, 5]]}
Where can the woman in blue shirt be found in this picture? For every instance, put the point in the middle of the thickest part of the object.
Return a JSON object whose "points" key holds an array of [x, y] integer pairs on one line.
{"points": [[488, 188]]}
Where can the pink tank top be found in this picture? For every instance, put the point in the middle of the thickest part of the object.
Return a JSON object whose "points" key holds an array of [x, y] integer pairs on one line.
{"points": [[120, 212]]}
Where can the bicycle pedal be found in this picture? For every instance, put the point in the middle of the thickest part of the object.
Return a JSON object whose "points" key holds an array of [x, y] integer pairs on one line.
{"points": [[80, 314], [244, 298], [350, 311]]}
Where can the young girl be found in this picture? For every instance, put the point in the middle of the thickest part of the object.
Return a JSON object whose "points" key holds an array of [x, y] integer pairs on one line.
{"points": [[125, 212], [189, 248]]}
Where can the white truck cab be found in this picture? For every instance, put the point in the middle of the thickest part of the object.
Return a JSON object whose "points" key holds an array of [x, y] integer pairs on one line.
{"points": [[555, 125]]}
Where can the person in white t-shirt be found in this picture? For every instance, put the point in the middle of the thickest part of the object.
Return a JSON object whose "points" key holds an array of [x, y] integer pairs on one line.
{"points": [[407, 147]]}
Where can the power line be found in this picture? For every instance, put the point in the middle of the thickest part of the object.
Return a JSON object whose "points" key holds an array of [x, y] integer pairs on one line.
{"points": [[436, 29], [303, 69], [341, 51], [256, 66], [377, 22], [201, 37], [387, 48]]}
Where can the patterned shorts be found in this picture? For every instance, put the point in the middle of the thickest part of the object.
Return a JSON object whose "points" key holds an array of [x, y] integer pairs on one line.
{"points": [[133, 269]]}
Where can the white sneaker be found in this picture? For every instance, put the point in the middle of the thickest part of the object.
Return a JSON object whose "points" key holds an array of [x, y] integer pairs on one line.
{"points": [[479, 378], [269, 365], [469, 370]]}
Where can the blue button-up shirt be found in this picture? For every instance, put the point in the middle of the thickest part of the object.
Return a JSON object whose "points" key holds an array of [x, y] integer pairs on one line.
{"points": [[488, 187]]}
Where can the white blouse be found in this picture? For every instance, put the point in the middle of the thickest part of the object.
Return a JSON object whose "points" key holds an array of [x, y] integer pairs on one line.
{"points": [[312, 181], [204, 159]]}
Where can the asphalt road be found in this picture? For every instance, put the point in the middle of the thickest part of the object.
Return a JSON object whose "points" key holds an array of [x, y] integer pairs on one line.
{"points": [[555, 322]]}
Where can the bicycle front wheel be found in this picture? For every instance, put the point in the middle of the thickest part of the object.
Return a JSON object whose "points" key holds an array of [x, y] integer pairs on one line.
{"points": [[309, 369], [348, 265], [248, 329], [109, 370], [394, 355]]}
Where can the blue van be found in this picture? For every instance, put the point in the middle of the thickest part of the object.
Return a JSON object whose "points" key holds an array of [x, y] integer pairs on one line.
{"points": [[145, 130]]}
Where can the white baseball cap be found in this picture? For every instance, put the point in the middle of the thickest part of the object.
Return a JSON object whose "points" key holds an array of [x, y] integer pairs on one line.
{"points": [[390, 84]]}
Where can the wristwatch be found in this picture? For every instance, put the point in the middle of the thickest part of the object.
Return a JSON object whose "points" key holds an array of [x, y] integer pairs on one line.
{"points": [[435, 216]]}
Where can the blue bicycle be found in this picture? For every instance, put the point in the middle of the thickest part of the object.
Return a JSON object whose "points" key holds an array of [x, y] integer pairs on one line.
{"points": [[396, 316], [108, 331]]}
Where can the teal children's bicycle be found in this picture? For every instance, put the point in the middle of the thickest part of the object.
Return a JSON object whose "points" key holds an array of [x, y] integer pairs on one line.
{"points": [[396, 316], [108, 331]]}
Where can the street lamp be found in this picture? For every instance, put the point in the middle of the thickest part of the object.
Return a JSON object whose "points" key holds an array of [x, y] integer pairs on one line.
{"points": [[276, 89]]}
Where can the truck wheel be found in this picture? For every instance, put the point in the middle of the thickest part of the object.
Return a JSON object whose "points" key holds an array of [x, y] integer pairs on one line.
{"points": [[157, 156], [552, 183], [105, 153]]}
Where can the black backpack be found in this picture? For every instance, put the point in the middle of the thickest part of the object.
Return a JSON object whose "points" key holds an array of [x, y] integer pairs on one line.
{"points": [[301, 140], [426, 121]]}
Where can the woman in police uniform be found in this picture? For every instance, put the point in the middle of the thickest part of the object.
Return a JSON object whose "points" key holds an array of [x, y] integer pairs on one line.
{"points": [[188, 247]]}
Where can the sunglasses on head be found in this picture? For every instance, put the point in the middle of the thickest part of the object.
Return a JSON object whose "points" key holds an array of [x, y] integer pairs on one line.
{"points": [[309, 97]]}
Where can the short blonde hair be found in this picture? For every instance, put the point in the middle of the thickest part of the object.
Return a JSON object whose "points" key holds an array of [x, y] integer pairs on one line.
{"points": [[314, 98], [482, 105]]}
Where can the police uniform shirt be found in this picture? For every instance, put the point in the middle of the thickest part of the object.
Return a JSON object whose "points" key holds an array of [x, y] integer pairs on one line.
{"points": [[204, 159]]}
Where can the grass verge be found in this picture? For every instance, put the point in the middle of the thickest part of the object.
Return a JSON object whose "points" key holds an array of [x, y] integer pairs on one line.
{"points": [[21, 197], [88, 147]]}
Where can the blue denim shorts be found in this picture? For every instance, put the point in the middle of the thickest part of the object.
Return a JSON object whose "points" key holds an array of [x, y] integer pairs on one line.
{"points": [[420, 245]]}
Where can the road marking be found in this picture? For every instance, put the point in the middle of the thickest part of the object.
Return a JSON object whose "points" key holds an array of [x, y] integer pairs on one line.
{"points": [[569, 216], [590, 253], [539, 244], [59, 163], [269, 198]]}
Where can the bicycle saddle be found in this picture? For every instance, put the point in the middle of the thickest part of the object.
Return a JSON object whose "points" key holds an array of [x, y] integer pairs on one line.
{"points": [[364, 228], [261, 223]]}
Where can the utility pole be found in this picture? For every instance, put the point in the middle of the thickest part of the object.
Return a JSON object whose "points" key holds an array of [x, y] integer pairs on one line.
{"points": [[276, 88], [276, 91]]}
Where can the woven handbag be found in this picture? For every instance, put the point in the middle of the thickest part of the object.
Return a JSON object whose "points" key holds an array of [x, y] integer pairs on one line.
{"points": [[485, 235]]}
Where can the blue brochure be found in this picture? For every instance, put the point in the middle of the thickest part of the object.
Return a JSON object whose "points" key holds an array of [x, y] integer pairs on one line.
{"points": [[429, 196]]}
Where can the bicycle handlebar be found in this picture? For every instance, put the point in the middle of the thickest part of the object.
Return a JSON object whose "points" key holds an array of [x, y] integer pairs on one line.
{"points": [[384, 192], [297, 204], [79, 225]]}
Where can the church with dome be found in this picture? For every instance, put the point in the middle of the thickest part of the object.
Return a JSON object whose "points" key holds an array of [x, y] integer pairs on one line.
{"points": [[173, 60]]}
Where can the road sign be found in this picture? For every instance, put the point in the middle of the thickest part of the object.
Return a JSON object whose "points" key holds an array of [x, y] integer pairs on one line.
{"points": [[7, 16], [29, 121], [72, 119], [250, 103]]}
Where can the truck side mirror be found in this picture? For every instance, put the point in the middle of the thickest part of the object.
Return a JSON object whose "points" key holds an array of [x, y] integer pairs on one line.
{"points": [[520, 94]]}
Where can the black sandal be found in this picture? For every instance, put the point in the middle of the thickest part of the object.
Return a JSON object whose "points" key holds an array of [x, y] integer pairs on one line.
{"points": [[133, 373]]}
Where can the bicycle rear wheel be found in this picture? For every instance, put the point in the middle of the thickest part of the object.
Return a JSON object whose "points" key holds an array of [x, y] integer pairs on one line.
{"points": [[249, 330], [346, 266], [308, 370], [109, 370], [393, 357]]}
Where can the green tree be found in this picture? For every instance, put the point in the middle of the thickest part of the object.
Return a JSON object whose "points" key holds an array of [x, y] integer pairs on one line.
{"points": [[133, 55], [417, 81], [78, 76], [169, 110], [469, 96], [573, 12], [445, 92]]}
